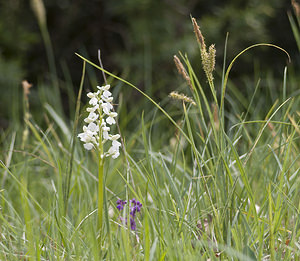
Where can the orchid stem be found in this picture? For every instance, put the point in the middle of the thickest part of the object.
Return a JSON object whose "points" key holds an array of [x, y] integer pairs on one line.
{"points": [[100, 182], [100, 194]]}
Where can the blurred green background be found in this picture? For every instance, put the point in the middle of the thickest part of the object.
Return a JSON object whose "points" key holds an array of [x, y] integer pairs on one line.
{"points": [[138, 39]]}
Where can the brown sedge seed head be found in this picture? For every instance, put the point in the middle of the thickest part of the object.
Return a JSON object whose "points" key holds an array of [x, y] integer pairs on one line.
{"points": [[182, 97], [182, 71], [198, 34]]}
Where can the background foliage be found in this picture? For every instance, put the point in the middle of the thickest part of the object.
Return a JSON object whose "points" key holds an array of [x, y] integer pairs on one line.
{"points": [[136, 37]]}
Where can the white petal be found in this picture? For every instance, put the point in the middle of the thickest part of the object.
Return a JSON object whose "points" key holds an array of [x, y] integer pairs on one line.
{"points": [[88, 120], [116, 144], [115, 137], [105, 135], [113, 114], [110, 120], [92, 117], [93, 140], [85, 137], [92, 109], [112, 150], [106, 107], [93, 127], [81, 135], [90, 95], [110, 99], [88, 146], [106, 94], [105, 128], [104, 88], [93, 101], [114, 156], [106, 110]]}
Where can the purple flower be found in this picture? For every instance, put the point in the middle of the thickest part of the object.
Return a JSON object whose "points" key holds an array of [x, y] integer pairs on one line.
{"points": [[120, 204], [135, 206], [132, 224]]}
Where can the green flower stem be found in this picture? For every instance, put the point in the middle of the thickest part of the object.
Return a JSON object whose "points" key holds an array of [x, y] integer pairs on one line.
{"points": [[100, 191], [100, 179]]}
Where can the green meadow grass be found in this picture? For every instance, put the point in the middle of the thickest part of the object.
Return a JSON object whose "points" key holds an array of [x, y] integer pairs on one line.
{"points": [[218, 180]]}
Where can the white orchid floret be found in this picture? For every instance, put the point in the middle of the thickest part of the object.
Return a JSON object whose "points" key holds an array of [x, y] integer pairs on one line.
{"points": [[84, 137], [81, 136], [112, 151], [92, 117], [93, 127], [104, 128], [106, 94], [110, 99], [105, 131], [115, 137], [110, 119], [87, 136], [104, 88], [92, 109], [116, 143], [106, 106], [113, 114], [88, 130], [93, 101], [91, 95], [88, 146], [105, 136]]}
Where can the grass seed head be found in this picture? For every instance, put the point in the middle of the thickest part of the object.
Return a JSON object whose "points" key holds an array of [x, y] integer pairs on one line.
{"points": [[212, 57], [182, 71], [208, 57], [182, 97], [26, 88], [209, 61], [198, 34]]}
